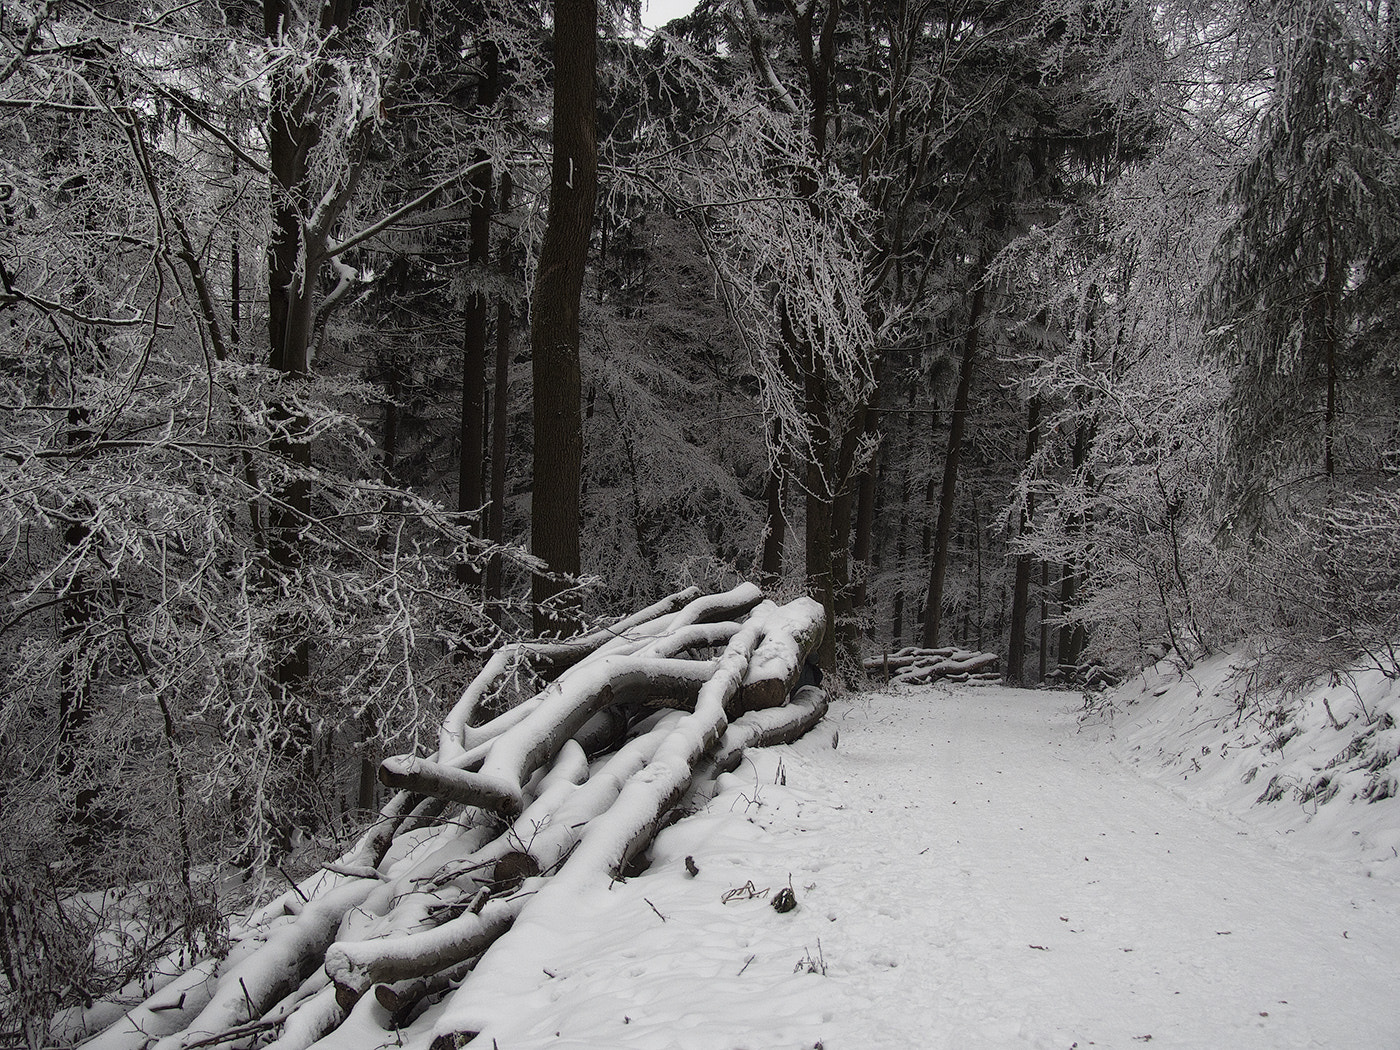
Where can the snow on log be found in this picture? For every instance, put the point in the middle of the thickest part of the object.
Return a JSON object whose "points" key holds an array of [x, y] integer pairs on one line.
{"points": [[558, 655], [165, 1012], [609, 839], [502, 834], [920, 666], [454, 785], [777, 662], [583, 692], [681, 609], [769, 726], [258, 979], [360, 965]]}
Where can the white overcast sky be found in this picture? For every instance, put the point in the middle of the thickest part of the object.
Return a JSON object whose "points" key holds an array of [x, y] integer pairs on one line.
{"points": [[656, 13]]}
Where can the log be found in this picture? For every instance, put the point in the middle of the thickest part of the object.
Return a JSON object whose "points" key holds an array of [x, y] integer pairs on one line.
{"points": [[413, 907], [246, 990], [777, 663], [762, 728], [681, 609], [357, 966], [558, 656], [452, 785], [616, 834], [584, 691]]}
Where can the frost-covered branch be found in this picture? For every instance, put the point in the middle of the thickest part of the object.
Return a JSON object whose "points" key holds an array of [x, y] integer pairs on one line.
{"points": [[509, 834]]}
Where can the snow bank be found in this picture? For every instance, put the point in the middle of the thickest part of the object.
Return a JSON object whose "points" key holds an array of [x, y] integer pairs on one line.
{"points": [[1320, 768]]}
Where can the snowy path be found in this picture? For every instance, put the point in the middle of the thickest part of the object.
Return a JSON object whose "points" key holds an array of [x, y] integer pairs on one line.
{"points": [[1033, 891], [972, 872]]}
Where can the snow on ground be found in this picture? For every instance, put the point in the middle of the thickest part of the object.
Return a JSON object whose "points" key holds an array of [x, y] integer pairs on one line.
{"points": [[976, 869], [1326, 758]]}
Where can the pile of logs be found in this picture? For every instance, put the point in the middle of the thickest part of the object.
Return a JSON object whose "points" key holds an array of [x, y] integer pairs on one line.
{"points": [[533, 797], [914, 666]]}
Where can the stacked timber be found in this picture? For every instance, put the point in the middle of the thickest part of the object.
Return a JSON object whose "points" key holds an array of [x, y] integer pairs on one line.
{"points": [[914, 666]]}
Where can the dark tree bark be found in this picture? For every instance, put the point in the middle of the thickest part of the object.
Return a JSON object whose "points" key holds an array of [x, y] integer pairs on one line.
{"points": [[867, 492], [500, 422], [1071, 640], [820, 581], [293, 264], [291, 136], [1021, 589], [775, 535], [75, 684], [471, 493], [845, 629], [823, 481], [554, 311], [938, 569], [1044, 615]]}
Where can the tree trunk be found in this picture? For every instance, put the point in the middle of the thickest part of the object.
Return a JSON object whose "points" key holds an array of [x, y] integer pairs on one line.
{"points": [[292, 269], [1071, 641], [866, 492], [75, 684], [820, 581], [1044, 614], [554, 320], [471, 493], [1021, 590], [939, 568], [775, 535], [1331, 297], [500, 422]]}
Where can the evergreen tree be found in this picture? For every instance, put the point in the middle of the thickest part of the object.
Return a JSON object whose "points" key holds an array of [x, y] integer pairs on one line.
{"points": [[1301, 264]]}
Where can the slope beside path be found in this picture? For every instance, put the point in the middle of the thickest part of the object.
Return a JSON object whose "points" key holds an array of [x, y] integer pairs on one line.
{"points": [[972, 871]]}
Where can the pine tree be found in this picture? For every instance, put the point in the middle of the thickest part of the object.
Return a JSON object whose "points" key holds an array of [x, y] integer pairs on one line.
{"points": [[1317, 217]]}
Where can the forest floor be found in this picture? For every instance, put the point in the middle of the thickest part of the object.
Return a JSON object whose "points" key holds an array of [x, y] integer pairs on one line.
{"points": [[978, 867]]}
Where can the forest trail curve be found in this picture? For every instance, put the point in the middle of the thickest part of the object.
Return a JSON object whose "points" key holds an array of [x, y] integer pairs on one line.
{"points": [[996, 878], [973, 872]]}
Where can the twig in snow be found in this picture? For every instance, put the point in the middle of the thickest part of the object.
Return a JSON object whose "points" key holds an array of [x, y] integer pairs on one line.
{"points": [[653, 908], [1331, 717], [293, 885], [747, 892], [750, 959]]}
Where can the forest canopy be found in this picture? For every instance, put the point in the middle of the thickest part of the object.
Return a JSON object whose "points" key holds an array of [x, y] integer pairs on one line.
{"points": [[343, 344]]}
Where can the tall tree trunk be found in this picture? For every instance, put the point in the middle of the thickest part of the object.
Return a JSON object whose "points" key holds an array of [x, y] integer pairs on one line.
{"points": [[292, 270], [977, 551], [1072, 638], [938, 569], [500, 422], [866, 492], [293, 267], [1044, 615], [775, 533], [1021, 589], [901, 551], [471, 494], [554, 313], [1331, 297], [930, 488], [819, 498], [74, 681], [843, 622]]}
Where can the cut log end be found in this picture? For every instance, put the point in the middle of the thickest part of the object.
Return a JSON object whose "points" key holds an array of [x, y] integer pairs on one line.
{"points": [[513, 869]]}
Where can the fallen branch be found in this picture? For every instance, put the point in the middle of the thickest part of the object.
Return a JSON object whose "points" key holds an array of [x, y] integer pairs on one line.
{"points": [[503, 831]]}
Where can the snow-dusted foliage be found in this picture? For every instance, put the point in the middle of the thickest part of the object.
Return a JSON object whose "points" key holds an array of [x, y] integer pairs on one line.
{"points": [[178, 520]]}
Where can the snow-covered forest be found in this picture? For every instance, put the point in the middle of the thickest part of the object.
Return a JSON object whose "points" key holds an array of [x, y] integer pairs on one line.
{"points": [[439, 443]]}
